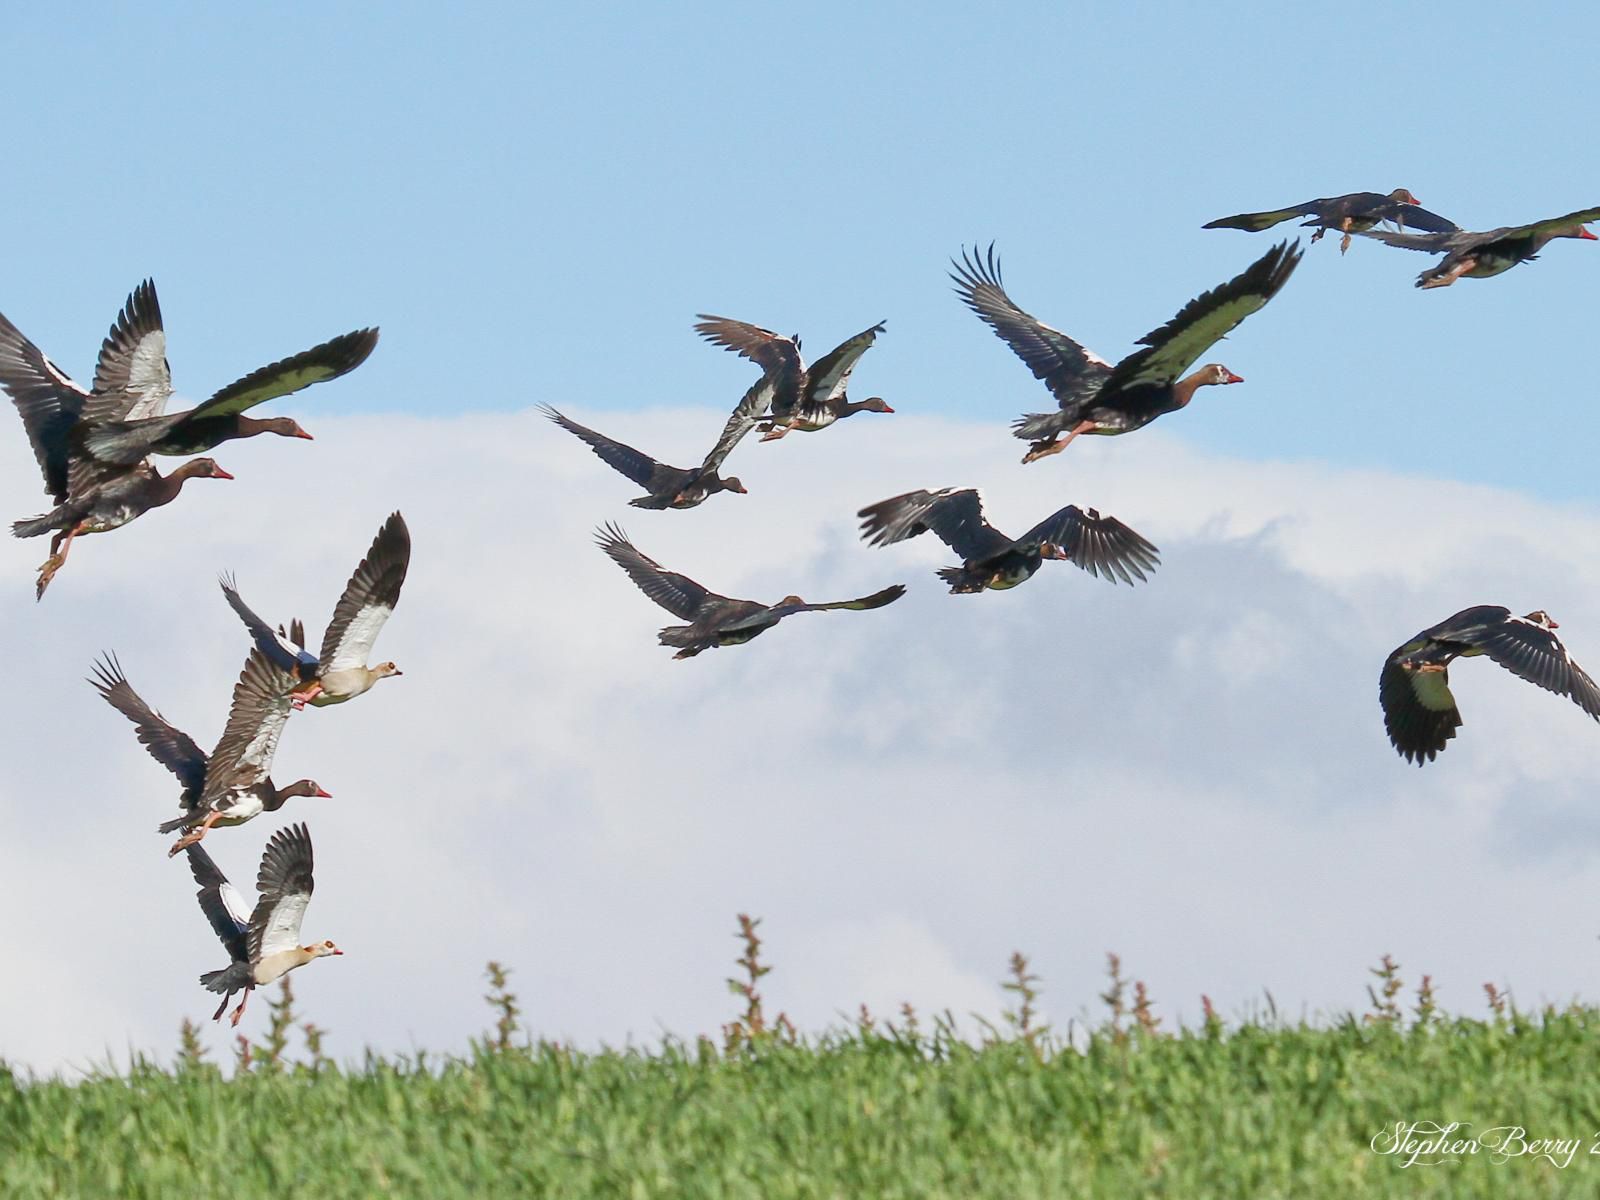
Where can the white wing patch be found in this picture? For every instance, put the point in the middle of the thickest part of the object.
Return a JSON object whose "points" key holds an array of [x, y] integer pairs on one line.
{"points": [[234, 903], [282, 931], [359, 636], [148, 378]]}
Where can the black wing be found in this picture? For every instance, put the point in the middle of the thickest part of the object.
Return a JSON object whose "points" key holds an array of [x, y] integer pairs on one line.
{"points": [[955, 515], [678, 594], [1170, 350], [1067, 369], [333, 358], [220, 901], [48, 402], [1419, 713], [635, 464], [753, 405], [285, 654], [1257, 221], [1102, 546], [769, 351], [167, 744], [830, 374], [878, 599], [1533, 652]]}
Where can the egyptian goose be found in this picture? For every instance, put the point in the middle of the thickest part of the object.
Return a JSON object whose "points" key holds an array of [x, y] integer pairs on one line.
{"points": [[666, 486], [128, 439], [1093, 395], [1481, 255], [1356, 212], [713, 620], [1102, 546], [130, 378], [233, 783], [1419, 712], [263, 944], [340, 672], [804, 399]]}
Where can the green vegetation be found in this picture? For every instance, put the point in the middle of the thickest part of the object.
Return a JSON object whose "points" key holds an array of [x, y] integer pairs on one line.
{"points": [[889, 1108]]}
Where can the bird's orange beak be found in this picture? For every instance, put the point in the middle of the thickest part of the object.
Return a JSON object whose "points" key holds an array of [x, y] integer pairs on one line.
{"points": [[303, 434], [219, 473], [1586, 235], [1232, 378], [323, 794]]}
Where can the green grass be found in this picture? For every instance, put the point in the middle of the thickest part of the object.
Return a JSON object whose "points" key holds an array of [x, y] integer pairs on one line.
{"points": [[1262, 1109]]}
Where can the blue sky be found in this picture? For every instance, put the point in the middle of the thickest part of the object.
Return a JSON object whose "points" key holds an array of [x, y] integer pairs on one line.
{"points": [[533, 207], [534, 202]]}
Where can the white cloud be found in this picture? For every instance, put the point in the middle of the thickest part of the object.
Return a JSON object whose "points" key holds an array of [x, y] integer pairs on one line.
{"points": [[1192, 772]]}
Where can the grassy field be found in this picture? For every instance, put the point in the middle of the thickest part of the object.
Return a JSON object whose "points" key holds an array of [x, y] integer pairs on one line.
{"points": [[886, 1109]]}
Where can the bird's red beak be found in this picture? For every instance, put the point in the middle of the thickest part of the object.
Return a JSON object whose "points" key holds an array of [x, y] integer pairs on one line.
{"points": [[742, 490], [1232, 378], [303, 434], [887, 409], [1586, 235], [323, 794], [219, 473], [1554, 624], [336, 950]]}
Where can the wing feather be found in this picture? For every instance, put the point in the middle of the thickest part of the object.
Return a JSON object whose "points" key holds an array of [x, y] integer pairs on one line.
{"points": [[368, 599], [285, 885], [678, 594], [1102, 546], [167, 744], [828, 377], [635, 464], [256, 718], [333, 358], [220, 901]]}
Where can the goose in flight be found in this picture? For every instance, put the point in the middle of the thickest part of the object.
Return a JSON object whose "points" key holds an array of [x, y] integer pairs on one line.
{"points": [[263, 943], [713, 620], [340, 671], [1356, 212], [1092, 395], [1102, 546], [1482, 255], [1419, 712]]}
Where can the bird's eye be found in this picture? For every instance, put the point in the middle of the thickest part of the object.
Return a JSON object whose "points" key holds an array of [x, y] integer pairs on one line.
{"points": [[329, 945]]}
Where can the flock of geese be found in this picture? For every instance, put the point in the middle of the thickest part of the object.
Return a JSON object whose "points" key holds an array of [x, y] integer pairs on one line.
{"points": [[95, 448]]}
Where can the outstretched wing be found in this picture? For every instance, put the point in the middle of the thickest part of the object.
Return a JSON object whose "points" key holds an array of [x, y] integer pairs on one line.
{"points": [[1257, 221], [635, 464], [1413, 216], [48, 402], [678, 594], [877, 600], [830, 374], [256, 718], [167, 744], [1532, 652], [769, 351], [1419, 713], [753, 405], [220, 901], [333, 358], [1170, 350], [289, 655], [1431, 243], [131, 379], [1102, 546], [285, 884], [1066, 368], [955, 515], [368, 599]]}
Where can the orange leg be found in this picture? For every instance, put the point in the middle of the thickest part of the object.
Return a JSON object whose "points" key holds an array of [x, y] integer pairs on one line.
{"points": [[60, 546], [779, 431], [1450, 276], [298, 697], [1044, 449], [195, 835], [1344, 243], [238, 1012]]}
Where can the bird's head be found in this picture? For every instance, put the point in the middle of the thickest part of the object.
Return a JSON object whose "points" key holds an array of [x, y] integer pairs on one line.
{"points": [[321, 950], [385, 669], [876, 404], [285, 427], [201, 468], [306, 787], [731, 484], [1404, 196], [1542, 619], [1217, 373]]}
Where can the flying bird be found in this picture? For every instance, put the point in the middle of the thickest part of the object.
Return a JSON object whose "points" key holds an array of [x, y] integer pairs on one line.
{"points": [[340, 671], [1352, 213], [125, 440], [803, 398], [675, 487], [1481, 255], [233, 783], [263, 943], [130, 380], [1102, 546], [1419, 712], [713, 620], [1093, 395]]}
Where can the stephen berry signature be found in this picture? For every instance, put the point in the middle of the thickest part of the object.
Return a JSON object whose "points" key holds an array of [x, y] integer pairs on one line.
{"points": [[1429, 1144]]}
